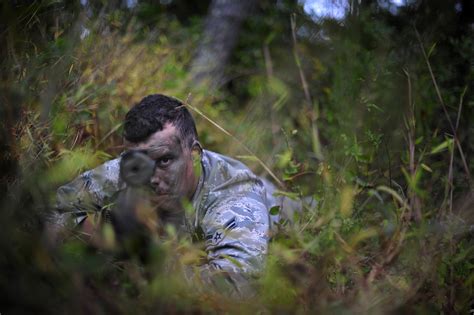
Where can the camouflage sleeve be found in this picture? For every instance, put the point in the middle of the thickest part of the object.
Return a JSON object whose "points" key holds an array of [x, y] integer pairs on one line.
{"points": [[236, 229], [85, 195]]}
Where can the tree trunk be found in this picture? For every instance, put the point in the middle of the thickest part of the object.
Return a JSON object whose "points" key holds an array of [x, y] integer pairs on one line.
{"points": [[220, 36]]}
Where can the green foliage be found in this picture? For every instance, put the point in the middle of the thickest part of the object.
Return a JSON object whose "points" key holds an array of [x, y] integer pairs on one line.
{"points": [[386, 219]]}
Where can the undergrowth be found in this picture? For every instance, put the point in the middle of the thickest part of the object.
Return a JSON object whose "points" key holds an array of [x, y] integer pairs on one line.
{"points": [[391, 228]]}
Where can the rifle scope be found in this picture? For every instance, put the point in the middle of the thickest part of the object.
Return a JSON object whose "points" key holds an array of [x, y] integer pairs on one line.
{"points": [[136, 168]]}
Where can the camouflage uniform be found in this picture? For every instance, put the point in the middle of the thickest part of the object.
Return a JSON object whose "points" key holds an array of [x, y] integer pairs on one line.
{"points": [[231, 212]]}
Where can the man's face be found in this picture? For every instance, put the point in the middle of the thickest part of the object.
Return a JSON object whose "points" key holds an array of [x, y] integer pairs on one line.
{"points": [[174, 177]]}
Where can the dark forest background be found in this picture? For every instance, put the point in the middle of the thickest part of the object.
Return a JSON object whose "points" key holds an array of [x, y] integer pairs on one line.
{"points": [[370, 113]]}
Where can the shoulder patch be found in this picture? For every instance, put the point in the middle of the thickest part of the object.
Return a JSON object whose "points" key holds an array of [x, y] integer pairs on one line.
{"points": [[216, 237]]}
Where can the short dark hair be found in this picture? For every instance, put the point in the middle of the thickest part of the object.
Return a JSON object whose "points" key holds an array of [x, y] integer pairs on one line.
{"points": [[152, 113]]}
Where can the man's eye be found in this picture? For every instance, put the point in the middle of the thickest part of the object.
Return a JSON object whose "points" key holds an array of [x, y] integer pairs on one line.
{"points": [[164, 161]]}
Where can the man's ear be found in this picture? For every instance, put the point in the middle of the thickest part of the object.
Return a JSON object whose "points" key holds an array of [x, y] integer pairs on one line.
{"points": [[196, 154], [196, 151]]}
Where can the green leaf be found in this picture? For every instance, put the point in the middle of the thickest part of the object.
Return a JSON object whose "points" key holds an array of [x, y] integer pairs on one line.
{"points": [[426, 167], [442, 146], [432, 48], [275, 210], [290, 195], [373, 106]]}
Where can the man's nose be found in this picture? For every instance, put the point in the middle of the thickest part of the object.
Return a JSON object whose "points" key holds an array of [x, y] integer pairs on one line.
{"points": [[158, 184], [155, 181]]}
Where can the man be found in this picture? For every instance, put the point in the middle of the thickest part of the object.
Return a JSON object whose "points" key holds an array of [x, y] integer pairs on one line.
{"points": [[230, 203]]}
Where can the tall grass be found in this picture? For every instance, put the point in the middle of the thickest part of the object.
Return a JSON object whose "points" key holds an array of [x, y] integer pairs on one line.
{"points": [[389, 232]]}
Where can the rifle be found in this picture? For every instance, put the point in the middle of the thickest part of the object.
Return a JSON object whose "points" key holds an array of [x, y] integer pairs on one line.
{"points": [[133, 212]]}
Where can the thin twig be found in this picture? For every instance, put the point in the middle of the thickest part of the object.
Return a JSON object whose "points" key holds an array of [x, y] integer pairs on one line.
{"points": [[268, 61], [250, 152], [313, 114], [304, 83], [269, 70], [396, 242], [411, 127], [443, 105], [451, 160], [392, 251], [451, 193], [112, 131]]}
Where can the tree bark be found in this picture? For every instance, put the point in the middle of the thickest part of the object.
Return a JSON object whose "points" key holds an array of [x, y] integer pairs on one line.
{"points": [[221, 32]]}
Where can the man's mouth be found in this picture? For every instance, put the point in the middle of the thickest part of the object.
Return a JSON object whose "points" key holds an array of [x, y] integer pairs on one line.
{"points": [[163, 195]]}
